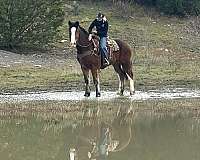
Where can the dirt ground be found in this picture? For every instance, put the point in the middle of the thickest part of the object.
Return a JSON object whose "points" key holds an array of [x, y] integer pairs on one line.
{"points": [[53, 58]]}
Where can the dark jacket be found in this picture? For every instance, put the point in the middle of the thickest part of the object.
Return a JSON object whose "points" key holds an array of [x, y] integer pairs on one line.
{"points": [[101, 26]]}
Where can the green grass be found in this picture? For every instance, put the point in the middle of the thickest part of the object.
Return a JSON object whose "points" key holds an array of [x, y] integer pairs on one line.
{"points": [[75, 110], [165, 53], [30, 78]]}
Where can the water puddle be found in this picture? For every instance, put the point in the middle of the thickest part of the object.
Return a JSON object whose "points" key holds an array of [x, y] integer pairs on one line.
{"points": [[105, 95], [100, 133]]}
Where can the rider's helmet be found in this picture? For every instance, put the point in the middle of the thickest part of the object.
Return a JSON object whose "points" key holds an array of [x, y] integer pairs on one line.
{"points": [[100, 16]]}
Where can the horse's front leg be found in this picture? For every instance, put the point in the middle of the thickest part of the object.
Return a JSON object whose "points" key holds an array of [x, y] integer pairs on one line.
{"points": [[87, 81], [95, 75]]}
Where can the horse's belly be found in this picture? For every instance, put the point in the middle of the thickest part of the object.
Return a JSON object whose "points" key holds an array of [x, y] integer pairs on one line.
{"points": [[90, 62]]}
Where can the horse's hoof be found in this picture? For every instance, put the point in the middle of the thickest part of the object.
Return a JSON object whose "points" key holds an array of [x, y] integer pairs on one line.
{"points": [[120, 93], [98, 94], [87, 94], [132, 93]]}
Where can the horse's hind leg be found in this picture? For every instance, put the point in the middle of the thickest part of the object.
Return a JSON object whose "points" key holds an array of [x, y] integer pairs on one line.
{"points": [[87, 81], [127, 68], [95, 75], [121, 77]]}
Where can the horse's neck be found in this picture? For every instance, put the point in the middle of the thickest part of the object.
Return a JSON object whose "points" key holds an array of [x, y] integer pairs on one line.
{"points": [[83, 38]]}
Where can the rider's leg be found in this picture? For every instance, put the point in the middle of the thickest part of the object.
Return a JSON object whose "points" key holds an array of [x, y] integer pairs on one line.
{"points": [[103, 48]]}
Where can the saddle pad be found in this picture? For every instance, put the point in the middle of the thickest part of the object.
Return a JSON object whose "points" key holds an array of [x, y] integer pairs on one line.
{"points": [[113, 44]]}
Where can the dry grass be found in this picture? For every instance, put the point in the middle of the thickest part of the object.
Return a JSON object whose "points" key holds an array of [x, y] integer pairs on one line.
{"points": [[167, 53]]}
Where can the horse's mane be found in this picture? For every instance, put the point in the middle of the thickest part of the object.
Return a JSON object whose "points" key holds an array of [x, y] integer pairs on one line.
{"points": [[82, 29]]}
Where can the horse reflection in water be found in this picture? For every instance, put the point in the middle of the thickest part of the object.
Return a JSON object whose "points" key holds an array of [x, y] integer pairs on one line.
{"points": [[96, 139]]}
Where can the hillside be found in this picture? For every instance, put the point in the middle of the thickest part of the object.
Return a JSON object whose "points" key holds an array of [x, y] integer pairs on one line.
{"points": [[166, 52]]}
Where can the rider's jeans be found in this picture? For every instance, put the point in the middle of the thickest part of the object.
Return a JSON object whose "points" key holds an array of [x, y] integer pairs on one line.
{"points": [[103, 48]]}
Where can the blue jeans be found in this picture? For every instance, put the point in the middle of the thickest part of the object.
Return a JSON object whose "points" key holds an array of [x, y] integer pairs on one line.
{"points": [[103, 48]]}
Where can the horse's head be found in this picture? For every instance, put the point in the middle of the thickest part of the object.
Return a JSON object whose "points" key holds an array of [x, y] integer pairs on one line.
{"points": [[73, 32]]}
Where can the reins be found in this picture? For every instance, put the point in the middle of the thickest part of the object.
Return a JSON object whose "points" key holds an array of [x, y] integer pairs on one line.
{"points": [[86, 53], [84, 46]]}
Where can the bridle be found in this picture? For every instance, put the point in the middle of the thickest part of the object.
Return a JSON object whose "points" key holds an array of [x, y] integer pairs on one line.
{"points": [[89, 49], [83, 46]]}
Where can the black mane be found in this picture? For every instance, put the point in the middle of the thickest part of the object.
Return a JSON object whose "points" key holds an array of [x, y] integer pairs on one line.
{"points": [[82, 29]]}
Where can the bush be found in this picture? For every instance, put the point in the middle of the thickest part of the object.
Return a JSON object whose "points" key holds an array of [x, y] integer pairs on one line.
{"points": [[146, 2], [29, 22], [178, 7]]}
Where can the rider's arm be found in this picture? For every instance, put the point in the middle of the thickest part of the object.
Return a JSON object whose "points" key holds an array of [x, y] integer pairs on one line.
{"points": [[93, 24], [104, 31], [106, 26]]}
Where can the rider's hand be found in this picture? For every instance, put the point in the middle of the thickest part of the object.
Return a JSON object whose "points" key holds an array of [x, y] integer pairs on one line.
{"points": [[90, 37], [104, 18]]}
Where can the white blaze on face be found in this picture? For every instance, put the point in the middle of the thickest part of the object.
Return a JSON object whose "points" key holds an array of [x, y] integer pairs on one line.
{"points": [[73, 35]]}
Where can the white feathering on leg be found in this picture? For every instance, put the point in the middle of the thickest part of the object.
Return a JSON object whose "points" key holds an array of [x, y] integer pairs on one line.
{"points": [[132, 89]]}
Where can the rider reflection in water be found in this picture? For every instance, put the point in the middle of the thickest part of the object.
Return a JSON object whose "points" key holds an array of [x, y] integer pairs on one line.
{"points": [[101, 25], [103, 143], [101, 147]]}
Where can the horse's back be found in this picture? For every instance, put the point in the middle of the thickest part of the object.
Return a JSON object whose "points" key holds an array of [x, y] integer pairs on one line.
{"points": [[124, 49]]}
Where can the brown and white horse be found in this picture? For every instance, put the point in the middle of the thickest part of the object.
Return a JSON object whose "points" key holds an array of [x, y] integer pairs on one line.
{"points": [[90, 60]]}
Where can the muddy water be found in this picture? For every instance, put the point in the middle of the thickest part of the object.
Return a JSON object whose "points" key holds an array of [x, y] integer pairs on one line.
{"points": [[150, 130], [106, 95]]}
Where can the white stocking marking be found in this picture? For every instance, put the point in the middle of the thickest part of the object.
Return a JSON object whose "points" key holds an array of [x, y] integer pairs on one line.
{"points": [[120, 84], [98, 85], [131, 83]]}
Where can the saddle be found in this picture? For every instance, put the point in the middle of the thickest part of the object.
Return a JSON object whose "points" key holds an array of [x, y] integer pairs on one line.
{"points": [[112, 46]]}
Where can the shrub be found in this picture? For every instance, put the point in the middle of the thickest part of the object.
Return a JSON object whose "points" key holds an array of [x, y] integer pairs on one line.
{"points": [[29, 22], [176, 7]]}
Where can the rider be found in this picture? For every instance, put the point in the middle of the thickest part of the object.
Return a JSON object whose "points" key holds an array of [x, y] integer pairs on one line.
{"points": [[101, 25]]}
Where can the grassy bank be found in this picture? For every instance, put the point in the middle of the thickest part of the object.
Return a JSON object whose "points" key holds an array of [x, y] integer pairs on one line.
{"points": [[57, 111], [165, 54]]}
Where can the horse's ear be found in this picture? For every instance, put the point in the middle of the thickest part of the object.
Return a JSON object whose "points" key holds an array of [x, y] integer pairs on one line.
{"points": [[69, 22], [77, 23]]}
